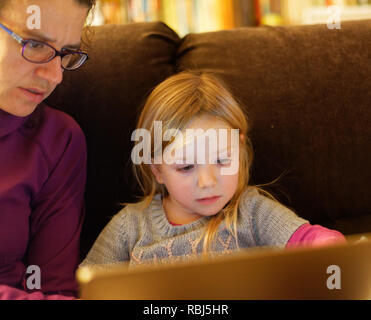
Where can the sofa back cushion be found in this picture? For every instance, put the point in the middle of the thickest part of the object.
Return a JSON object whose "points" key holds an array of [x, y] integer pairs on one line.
{"points": [[307, 93]]}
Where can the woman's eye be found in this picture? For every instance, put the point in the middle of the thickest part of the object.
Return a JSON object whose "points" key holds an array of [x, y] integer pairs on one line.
{"points": [[35, 45]]}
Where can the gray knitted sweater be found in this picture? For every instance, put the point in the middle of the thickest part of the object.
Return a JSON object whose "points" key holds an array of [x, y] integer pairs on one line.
{"points": [[144, 235]]}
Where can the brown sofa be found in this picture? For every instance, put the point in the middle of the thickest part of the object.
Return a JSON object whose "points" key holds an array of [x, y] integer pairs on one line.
{"points": [[307, 91]]}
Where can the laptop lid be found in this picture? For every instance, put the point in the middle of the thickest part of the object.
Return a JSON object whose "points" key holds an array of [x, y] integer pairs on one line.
{"points": [[341, 271]]}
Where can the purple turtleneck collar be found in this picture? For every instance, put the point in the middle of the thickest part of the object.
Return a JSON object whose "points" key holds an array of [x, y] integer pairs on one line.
{"points": [[9, 123]]}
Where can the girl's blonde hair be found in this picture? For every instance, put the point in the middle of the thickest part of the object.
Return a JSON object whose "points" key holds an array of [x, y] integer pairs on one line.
{"points": [[176, 102]]}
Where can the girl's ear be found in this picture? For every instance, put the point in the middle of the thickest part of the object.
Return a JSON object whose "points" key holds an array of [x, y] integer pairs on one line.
{"points": [[156, 170], [242, 137]]}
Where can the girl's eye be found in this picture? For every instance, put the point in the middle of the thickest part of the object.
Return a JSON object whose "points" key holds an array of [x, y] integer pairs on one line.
{"points": [[187, 168], [224, 162]]}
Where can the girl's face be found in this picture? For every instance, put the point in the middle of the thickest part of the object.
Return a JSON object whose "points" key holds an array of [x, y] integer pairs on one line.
{"points": [[201, 188]]}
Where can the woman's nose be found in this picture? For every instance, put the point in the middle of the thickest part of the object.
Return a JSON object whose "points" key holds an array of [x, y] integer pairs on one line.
{"points": [[51, 71]]}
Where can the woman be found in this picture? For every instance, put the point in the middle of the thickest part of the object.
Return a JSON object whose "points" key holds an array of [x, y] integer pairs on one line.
{"points": [[42, 151]]}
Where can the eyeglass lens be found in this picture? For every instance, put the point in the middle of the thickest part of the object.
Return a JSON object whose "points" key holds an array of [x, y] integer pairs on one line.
{"points": [[36, 51], [73, 60]]}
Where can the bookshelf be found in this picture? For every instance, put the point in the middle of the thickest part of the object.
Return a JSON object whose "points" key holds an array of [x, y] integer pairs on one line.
{"points": [[316, 11], [187, 16]]}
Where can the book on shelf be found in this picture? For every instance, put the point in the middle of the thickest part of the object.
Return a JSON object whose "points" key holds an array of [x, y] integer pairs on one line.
{"points": [[246, 13], [270, 12]]}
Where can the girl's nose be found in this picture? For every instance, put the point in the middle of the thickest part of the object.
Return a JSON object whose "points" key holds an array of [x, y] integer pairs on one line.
{"points": [[206, 176]]}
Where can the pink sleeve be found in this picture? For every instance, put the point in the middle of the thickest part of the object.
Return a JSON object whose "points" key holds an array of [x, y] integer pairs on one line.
{"points": [[9, 293], [308, 235]]}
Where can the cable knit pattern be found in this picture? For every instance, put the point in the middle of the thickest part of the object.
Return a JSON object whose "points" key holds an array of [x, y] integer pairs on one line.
{"points": [[141, 235]]}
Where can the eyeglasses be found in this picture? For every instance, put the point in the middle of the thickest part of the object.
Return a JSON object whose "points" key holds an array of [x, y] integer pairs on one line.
{"points": [[41, 52]]}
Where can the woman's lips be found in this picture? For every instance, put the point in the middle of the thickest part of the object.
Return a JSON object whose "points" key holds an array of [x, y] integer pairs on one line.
{"points": [[208, 200], [33, 95]]}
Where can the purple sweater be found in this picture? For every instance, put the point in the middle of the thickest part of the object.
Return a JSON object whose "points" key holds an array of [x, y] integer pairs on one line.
{"points": [[42, 181]]}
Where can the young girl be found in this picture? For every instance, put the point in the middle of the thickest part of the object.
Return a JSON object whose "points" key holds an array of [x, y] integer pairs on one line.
{"points": [[191, 206]]}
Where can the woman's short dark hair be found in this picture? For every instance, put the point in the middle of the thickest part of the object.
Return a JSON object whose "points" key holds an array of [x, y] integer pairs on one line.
{"points": [[88, 3]]}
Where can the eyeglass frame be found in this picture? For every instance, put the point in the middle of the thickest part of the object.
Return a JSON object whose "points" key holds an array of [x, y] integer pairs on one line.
{"points": [[57, 53]]}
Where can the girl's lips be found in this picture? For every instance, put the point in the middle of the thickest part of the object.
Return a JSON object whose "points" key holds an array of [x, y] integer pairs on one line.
{"points": [[208, 200], [36, 97]]}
